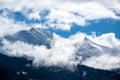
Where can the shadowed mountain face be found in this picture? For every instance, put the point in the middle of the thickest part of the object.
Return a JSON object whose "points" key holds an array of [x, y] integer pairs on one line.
{"points": [[12, 68], [33, 36]]}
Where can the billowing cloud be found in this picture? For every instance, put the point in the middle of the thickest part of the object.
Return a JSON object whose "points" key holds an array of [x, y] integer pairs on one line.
{"points": [[64, 52], [61, 54], [104, 61], [9, 26], [63, 13]]}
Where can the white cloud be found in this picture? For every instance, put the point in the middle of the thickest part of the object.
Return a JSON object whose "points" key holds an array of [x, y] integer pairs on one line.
{"points": [[103, 62], [108, 40], [89, 10], [64, 52], [65, 12], [9, 26], [62, 19], [61, 54], [34, 15]]}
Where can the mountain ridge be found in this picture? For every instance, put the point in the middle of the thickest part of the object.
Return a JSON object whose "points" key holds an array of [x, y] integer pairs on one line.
{"points": [[32, 36]]}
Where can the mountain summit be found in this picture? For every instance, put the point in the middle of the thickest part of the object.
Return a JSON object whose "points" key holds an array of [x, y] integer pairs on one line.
{"points": [[33, 36]]}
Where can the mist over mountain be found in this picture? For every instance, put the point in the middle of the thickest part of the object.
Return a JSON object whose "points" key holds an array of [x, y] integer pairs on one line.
{"points": [[37, 53], [50, 49]]}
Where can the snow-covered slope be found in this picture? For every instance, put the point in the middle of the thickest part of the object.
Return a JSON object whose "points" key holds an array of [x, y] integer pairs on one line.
{"points": [[88, 48], [33, 36]]}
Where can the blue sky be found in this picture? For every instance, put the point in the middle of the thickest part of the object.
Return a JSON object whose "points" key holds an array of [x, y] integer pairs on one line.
{"points": [[101, 26], [72, 17]]}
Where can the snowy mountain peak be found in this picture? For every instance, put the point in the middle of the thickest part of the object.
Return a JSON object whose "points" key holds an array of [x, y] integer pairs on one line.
{"points": [[88, 48], [33, 36], [86, 39], [33, 29]]}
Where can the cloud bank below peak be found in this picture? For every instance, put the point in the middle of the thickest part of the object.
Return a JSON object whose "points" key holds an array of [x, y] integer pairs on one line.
{"points": [[63, 13], [64, 52]]}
